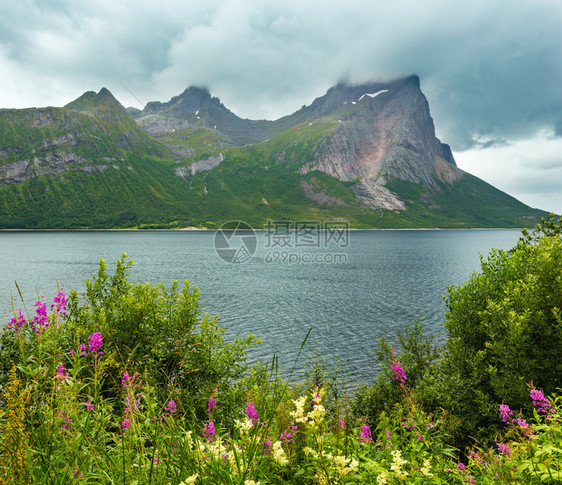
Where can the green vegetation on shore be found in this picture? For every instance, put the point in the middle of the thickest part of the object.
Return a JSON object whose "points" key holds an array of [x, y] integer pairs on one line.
{"points": [[134, 384]]}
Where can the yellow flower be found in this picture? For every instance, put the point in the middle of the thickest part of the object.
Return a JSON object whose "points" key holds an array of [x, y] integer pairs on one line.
{"points": [[397, 464], [190, 480], [244, 426], [345, 466], [426, 468], [279, 454], [251, 482], [382, 478], [298, 413], [309, 451]]}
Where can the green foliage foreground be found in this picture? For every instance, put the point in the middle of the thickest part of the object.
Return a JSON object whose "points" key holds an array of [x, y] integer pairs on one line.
{"points": [[133, 384]]}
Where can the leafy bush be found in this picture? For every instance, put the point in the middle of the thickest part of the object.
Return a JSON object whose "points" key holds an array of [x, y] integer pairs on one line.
{"points": [[504, 331]]}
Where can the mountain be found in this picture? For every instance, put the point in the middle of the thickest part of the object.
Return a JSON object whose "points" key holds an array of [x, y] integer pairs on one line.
{"points": [[364, 153]]}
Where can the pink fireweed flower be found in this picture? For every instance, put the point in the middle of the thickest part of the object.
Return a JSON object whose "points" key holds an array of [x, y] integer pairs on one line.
{"points": [[170, 408], [365, 434], [541, 403], [267, 447], [126, 424], [59, 303], [127, 380], [505, 413], [89, 405], [62, 374], [341, 424], [83, 349], [504, 449], [251, 412], [461, 466], [41, 321], [95, 342], [17, 321], [289, 435], [398, 371], [212, 404], [210, 431]]}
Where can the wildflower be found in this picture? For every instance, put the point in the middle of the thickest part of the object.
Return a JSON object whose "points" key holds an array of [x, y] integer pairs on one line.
{"points": [[382, 479], [345, 466], [298, 413], [17, 321], [95, 342], [251, 412], [89, 405], [425, 469], [279, 454], [83, 349], [397, 464], [365, 434], [126, 424], [212, 404], [398, 371], [40, 322], [210, 431], [341, 424], [190, 480], [267, 447], [60, 302], [62, 374], [309, 451], [244, 426], [288, 435], [461, 466], [541, 403], [251, 482], [505, 413], [170, 408], [127, 380], [504, 449]]}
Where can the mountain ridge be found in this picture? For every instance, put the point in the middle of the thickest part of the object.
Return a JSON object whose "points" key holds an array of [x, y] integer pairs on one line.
{"points": [[366, 153]]}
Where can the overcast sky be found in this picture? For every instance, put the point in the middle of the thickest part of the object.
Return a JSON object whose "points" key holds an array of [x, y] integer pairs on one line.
{"points": [[492, 70]]}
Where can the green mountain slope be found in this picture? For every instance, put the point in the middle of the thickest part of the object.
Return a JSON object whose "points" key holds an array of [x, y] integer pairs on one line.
{"points": [[188, 163]]}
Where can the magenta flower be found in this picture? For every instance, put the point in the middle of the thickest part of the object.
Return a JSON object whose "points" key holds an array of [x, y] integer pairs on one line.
{"points": [[95, 342], [504, 449], [267, 447], [341, 424], [398, 371], [365, 434], [461, 466], [210, 431], [40, 322], [212, 404], [126, 424], [60, 303], [89, 405], [251, 412], [541, 403], [62, 374], [127, 380], [17, 321], [505, 413], [170, 408]]}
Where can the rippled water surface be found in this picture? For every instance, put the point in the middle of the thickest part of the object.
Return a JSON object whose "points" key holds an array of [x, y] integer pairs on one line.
{"points": [[379, 282]]}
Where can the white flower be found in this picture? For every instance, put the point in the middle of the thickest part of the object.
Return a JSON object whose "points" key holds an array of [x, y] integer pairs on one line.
{"points": [[190, 480], [279, 454]]}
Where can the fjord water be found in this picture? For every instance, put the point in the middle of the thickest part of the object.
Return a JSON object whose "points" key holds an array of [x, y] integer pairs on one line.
{"points": [[378, 282]]}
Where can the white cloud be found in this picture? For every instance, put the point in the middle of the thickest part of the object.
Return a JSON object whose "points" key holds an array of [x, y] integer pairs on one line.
{"points": [[529, 169]]}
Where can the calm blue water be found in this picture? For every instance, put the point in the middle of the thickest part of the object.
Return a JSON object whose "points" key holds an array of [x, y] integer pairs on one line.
{"points": [[380, 281]]}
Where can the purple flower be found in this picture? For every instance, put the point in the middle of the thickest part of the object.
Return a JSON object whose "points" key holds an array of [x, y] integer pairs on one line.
{"points": [[341, 424], [267, 447], [61, 373], [17, 321], [40, 322], [95, 342], [212, 404], [89, 405], [398, 371], [210, 431], [126, 424], [170, 408], [505, 413], [541, 403], [127, 380], [251, 412], [60, 303], [504, 449], [461, 466], [365, 434]]}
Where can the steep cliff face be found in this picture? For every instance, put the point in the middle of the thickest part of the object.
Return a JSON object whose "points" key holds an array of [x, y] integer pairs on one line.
{"points": [[385, 132]]}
